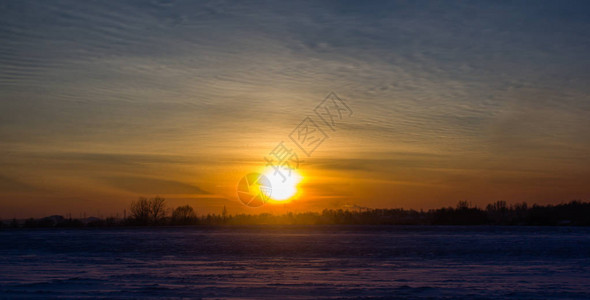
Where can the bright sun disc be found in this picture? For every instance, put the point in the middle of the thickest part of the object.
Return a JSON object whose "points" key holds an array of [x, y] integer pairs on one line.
{"points": [[283, 187]]}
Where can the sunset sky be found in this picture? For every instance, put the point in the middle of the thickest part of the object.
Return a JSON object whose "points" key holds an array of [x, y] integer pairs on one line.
{"points": [[102, 102]]}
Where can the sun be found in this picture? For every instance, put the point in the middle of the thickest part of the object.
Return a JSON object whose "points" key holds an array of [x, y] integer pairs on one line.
{"points": [[284, 187]]}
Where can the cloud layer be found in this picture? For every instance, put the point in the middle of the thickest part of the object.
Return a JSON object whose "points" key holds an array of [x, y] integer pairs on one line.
{"points": [[443, 94]]}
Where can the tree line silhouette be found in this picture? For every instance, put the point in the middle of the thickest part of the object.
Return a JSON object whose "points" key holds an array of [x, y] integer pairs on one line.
{"points": [[155, 212]]}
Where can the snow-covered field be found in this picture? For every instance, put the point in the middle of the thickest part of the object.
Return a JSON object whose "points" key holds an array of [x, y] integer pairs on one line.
{"points": [[297, 262]]}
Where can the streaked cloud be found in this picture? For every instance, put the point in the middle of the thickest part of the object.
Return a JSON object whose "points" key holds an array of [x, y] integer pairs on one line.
{"points": [[195, 92], [153, 186]]}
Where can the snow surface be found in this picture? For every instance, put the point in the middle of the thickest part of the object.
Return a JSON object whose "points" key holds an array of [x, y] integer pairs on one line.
{"points": [[297, 262]]}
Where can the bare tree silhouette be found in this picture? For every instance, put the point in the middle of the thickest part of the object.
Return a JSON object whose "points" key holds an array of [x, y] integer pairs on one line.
{"points": [[153, 211], [146, 211], [184, 215], [157, 209], [140, 211]]}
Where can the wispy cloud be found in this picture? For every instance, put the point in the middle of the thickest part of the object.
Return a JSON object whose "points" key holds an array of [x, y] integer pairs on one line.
{"points": [[183, 85], [152, 186]]}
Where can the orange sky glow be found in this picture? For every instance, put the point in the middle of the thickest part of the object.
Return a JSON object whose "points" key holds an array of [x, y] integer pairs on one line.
{"points": [[101, 108]]}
